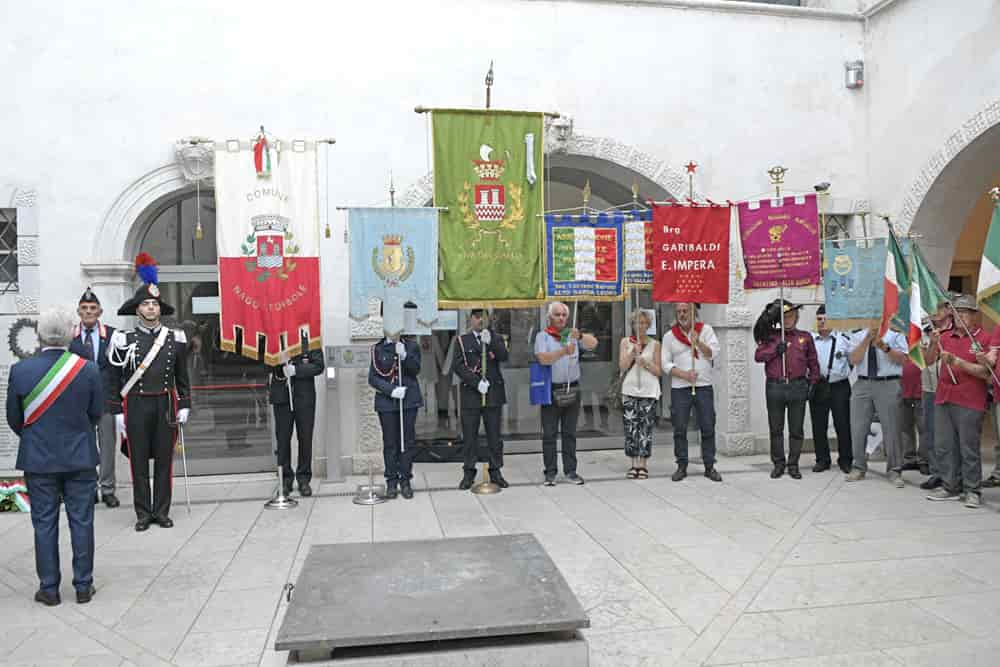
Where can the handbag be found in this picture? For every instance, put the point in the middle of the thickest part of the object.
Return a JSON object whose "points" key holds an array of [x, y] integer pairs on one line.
{"points": [[614, 393], [565, 396]]}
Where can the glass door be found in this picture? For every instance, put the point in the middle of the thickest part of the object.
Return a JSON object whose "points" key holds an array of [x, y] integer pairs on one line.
{"points": [[228, 431]]}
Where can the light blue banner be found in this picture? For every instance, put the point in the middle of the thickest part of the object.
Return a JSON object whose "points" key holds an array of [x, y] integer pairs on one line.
{"points": [[394, 253], [853, 272]]}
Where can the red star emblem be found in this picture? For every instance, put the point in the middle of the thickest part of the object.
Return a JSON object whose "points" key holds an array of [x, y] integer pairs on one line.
{"points": [[691, 166]]}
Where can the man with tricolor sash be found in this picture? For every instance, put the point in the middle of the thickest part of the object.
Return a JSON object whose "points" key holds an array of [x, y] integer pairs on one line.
{"points": [[54, 401]]}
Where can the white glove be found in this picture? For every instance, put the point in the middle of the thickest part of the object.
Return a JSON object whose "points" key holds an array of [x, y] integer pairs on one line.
{"points": [[182, 415], [485, 336], [399, 393], [289, 370], [120, 424], [401, 350], [484, 386]]}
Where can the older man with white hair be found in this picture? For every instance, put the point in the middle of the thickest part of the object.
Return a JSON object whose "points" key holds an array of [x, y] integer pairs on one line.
{"points": [[54, 401], [558, 346]]}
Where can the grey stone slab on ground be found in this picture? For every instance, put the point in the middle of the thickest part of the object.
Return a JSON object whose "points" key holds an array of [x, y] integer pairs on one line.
{"points": [[427, 590]]}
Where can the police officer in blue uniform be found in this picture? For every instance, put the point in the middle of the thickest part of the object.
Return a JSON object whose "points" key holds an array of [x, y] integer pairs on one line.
{"points": [[383, 376], [831, 394], [300, 413]]}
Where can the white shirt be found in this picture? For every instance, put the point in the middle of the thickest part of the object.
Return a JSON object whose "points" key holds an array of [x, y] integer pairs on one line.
{"points": [[841, 367], [886, 367], [675, 353]]}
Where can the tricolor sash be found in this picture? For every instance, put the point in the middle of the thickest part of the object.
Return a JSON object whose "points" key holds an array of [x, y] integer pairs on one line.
{"points": [[51, 386]]}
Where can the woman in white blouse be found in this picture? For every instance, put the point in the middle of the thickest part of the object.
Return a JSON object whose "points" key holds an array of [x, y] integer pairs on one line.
{"points": [[639, 360]]}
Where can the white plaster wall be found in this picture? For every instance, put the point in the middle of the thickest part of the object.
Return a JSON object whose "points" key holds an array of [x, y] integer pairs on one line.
{"points": [[101, 96], [932, 78]]}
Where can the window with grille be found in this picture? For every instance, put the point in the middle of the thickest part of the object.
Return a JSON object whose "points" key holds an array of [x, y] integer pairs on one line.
{"points": [[8, 250]]}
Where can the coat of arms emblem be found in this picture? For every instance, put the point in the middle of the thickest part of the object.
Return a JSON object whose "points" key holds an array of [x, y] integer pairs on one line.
{"points": [[270, 247], [489, 212], [390, 263]]}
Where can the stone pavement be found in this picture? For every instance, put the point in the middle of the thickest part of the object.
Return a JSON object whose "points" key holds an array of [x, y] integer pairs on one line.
{"points": [[752, 571]]}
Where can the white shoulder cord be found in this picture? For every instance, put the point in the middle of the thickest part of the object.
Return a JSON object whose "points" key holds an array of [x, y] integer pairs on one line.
{"points": [[122, 356]]}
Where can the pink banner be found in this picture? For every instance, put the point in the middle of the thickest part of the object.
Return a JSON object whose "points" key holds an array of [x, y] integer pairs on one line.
{"points": [[780, 239]]}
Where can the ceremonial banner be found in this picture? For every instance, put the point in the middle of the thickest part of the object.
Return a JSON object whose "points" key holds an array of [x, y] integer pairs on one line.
{"points": [[852, 282], [639, 248], [988, 290], [267, 231], [780, 239], [691, 254], [394, 258], [584, 256], [487, 175]]}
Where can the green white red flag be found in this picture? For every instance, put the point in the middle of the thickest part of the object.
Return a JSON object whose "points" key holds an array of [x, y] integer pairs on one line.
{"points": [[988, 291]]}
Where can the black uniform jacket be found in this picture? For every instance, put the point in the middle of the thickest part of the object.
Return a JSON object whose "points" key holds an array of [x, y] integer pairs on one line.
{"points": [[383, 375], [307, 366], [468, 363], [166, 373]]}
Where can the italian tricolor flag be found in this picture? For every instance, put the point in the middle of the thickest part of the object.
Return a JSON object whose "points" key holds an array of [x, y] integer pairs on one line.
{"points": [[49, 388], [988, 292], [897, 281]]}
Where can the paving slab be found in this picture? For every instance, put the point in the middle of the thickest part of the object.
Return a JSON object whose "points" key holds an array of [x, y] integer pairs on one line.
{"points": [[427, 590]]}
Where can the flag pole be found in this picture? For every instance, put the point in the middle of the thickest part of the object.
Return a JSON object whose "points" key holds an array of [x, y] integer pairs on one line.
{"points": [[777, 176]]}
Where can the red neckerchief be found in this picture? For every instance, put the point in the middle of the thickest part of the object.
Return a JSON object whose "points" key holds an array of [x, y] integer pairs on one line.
{"points": [[682, 337], [555, 333], [101, 331]]}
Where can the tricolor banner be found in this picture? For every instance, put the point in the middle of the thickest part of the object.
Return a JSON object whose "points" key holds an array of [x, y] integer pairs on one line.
{"points": [[267, 230], [988, 290], [692, 254], [780, 239], [51, 386], [584, 256]]}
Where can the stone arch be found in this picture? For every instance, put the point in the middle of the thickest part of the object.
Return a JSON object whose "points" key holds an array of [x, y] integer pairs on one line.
{"points": [[950, 183]]}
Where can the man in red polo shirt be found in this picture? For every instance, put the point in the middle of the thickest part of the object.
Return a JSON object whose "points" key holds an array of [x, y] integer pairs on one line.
{"points": [[960, 405]]}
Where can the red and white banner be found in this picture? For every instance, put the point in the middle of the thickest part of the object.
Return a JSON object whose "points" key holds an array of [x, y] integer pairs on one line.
{"points": [[267, 230], [691, 254]]}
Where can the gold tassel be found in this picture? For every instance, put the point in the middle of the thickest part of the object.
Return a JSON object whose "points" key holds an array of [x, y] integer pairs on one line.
{"points": [[198, 233], [326, 232]]}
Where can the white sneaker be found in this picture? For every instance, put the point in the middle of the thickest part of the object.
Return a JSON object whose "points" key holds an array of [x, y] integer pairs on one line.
{"points": [[972, 501], [942, 494]]}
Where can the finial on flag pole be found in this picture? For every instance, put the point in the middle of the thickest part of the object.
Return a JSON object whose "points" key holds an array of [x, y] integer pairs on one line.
{"points": [[489, 84], [777, 176], [392, 191], [586, 195], [691, 167]]}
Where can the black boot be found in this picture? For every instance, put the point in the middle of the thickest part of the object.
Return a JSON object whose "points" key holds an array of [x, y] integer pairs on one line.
{"points": [[405, 489], [778, 470], [467, 479], [390, 489], [793, 471], [712, 473], [680, 473], [498, 479]]}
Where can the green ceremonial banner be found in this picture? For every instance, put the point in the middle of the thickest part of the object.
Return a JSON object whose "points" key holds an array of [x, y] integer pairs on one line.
{"points": [[488, 168]]}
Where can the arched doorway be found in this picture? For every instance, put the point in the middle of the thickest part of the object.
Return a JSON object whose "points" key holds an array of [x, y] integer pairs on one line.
{"points": [[228, 430]]}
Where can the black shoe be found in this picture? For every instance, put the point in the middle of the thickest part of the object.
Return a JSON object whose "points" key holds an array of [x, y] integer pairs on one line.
{"points": [[405, 489], [391, 491], [142, 524], [47, 599], [912, 465], [778, 470], [305, 490], [286, 489], [467, 481], [111, 500], [925, 469], [712, 474], [931, 483], [821, 467], [498, 479], [793, 471], [681, 472], [83, 597], [573, 478], [550, 480], [846, 469], [165, 522], [991, 482]]}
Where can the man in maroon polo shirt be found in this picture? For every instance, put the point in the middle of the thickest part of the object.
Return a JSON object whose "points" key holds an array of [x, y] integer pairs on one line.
{"points": [[960, 405]]}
